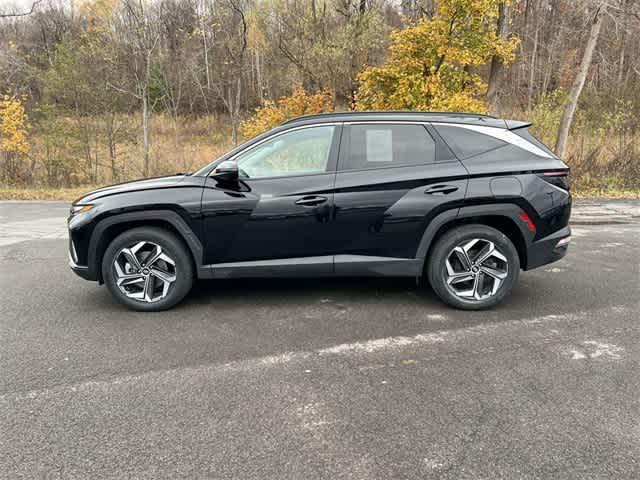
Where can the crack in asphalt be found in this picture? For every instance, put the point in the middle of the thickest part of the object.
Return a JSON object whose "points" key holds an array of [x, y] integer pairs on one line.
{"points": [[346, 349]]}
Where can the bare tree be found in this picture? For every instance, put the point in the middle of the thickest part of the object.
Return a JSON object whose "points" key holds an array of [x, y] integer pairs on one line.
{"points": [[140, 37], [34, 4], [231, 34], [495, 69], [578, 83]]}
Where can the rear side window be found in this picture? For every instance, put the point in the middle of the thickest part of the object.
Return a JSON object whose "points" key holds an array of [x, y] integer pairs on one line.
{"points": [[466, 143], [380, 146]]}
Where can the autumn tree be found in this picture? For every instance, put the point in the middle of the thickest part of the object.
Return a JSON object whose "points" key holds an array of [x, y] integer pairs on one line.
{"points": [[432, 65], [13, 134], [298, 103]]}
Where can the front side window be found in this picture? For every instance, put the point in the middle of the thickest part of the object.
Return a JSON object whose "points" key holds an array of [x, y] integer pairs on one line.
{"points": [[379, 146], [299, 152]]}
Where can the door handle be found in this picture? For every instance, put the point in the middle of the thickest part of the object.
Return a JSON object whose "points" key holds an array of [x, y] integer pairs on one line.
{"points": [[440, 190], [311, 201]]}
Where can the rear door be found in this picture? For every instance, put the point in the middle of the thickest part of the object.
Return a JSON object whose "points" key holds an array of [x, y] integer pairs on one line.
{"points": [[392, 179]]}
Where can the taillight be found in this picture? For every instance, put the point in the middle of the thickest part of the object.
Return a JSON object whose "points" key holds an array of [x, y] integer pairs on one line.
{"points": [[527, 220], [557, 178]]}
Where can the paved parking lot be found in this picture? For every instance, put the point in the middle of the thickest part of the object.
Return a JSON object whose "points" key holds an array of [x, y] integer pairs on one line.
{"points": [[350, 378]]}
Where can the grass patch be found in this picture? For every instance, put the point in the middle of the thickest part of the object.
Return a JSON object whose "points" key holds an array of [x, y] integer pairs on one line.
{"points": [[615, 193], [70, 194], [44, 193]]}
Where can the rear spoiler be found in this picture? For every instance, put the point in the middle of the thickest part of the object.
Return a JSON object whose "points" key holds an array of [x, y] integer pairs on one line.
{"points": [[516, 124]]}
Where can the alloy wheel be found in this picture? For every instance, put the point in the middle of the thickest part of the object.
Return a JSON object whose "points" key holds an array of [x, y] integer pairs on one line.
{"points": [[144, 272], [476, 269]]}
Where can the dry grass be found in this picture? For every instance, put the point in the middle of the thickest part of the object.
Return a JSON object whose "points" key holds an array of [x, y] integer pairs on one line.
{"points": [[70, 194], [61, 166], [633, 194], [67, 152], [44, 193]]}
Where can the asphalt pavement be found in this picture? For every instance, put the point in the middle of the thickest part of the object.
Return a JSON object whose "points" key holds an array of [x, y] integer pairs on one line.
{"points": [[321, 379]]}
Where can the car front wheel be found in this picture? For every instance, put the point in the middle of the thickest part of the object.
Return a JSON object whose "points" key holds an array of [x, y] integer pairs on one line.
{"points": [[473, 267], [147, 269]]}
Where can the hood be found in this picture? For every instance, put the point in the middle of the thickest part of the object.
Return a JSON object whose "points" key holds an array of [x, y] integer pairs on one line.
{"points": [[136, 185]]}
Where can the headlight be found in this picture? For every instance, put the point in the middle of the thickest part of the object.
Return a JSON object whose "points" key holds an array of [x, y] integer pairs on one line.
{"points": [[76, 209]]}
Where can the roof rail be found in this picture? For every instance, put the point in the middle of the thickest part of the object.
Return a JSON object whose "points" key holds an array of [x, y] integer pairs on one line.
{"points": [[382, 112]]}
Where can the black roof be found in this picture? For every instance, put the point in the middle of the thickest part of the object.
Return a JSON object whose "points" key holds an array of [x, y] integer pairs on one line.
{"points": [[447, 117]]}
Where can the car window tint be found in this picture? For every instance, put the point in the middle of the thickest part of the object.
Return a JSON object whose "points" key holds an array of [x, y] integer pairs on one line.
{"points": [[298, 152], [527, 135], [466, 143], [378, 146]]}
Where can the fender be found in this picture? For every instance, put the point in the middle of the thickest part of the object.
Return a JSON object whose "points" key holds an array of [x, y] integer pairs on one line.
{"points": [[186, 233], [505, 209], [432, 228]]}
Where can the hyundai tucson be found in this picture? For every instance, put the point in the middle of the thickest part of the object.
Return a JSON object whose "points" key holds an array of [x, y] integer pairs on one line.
{"points": [[463, 201]]}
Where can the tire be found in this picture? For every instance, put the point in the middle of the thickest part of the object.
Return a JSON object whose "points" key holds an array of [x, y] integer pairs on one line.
{"points": [[143, 287], [464, 248]]}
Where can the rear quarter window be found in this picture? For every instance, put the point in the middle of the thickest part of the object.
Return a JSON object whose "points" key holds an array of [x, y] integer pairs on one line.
{"points": [[466, 143], [528, 136]]}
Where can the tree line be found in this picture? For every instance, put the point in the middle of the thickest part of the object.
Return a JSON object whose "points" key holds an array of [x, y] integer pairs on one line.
{"points": [[112, 89]]}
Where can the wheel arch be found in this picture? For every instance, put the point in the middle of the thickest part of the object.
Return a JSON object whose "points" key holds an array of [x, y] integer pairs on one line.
{"points": [[109, 228], [502, 217]]}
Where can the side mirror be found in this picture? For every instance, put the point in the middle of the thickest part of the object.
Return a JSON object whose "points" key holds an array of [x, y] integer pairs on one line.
{"points": [[226, 172]]}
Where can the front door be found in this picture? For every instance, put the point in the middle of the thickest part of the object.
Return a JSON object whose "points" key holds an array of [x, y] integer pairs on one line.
{"points": [[279, 213]]}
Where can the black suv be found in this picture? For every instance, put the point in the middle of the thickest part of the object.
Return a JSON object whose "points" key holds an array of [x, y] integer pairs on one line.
{"points": [[464, 200]]}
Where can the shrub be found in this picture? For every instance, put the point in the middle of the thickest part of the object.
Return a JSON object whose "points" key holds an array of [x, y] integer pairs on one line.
{"points": [[13, 134], [271, 114]]}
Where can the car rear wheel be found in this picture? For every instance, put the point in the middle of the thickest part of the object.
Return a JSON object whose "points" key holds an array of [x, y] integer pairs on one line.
{"points": [[473, 267], [147, 269]]}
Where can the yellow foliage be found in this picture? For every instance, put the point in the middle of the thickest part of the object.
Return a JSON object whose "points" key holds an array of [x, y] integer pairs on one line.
{"points": [[98, 13], [13, 126], [429, 65], [272, 114]]}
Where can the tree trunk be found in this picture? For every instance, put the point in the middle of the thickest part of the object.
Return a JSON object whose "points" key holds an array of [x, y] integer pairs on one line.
{"points": [[578, 83], [532, 69], [206, 53], [496, 66], [623, 46], [236, 114], [145, 132], [621, 63], [233, 106], [259, 78], [408, 9], [112, 153]]}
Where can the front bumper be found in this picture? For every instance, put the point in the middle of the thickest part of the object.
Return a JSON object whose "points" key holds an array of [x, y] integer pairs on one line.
{"points": [[548, 249], [81, 270]]}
